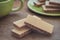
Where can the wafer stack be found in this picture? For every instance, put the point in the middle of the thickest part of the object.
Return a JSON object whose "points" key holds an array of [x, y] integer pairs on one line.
{"points": [[24, 26], [20, 29], [52, 6]]}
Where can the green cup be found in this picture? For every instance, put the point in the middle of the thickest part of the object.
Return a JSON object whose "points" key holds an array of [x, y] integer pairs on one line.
{"points": [[6, 6]]}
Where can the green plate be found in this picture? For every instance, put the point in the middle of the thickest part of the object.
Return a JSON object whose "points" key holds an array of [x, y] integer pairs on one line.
{"points": [[39, 10]]}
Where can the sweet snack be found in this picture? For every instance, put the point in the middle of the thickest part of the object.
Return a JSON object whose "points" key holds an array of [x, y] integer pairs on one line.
{"points": [[24, 26], [51, 6], [48, 5], [50, 10], [21, 32], [19, 23], [55, 2], [39, 25], [38, 4], [20, 29]]}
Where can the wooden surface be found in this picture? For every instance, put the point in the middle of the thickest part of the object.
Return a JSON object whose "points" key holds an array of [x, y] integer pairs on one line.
{"points": [[6, 24]]}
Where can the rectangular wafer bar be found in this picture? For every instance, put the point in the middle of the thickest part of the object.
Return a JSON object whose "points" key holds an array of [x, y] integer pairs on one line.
{"points": [[39, 25], [55, 2], [48, 5], [48, 9], [19, 23], [21, 32], [20, 28]]}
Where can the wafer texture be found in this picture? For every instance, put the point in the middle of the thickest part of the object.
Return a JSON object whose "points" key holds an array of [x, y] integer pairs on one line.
{"points": [[19, 23], [21, 32], [38, 24], [55, 2], [47, 9], [20, 29]]}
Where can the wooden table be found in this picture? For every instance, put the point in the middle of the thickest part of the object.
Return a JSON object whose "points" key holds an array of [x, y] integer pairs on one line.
{"points": [[6, 25]]}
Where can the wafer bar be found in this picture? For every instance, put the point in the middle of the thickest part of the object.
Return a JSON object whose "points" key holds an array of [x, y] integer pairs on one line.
{"points": [[53, 6], [55, 2], [20, 28], [48, 5], [39, 25], [46, 9], [21, 32], [19, 23]]}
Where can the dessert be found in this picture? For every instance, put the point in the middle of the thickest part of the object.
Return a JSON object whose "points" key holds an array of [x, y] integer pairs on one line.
{"points": [[39, 25]]}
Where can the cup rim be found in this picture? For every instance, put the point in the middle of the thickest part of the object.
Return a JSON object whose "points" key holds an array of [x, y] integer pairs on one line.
{"points": [[5, 1]]}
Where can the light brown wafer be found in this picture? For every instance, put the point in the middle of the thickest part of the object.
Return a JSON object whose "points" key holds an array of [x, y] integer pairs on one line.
{"points": [[39, 25], [20, 28], [19, 23], [50, 10], [21, 32], [55, 2]]}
